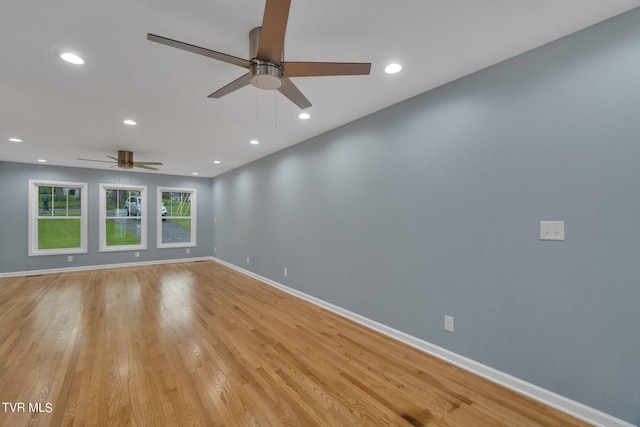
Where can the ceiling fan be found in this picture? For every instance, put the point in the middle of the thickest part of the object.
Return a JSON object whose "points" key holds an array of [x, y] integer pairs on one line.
{"points": [[267, 67], [125, 161]]}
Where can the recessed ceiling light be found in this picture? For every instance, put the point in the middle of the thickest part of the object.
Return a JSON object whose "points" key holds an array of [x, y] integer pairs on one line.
{"points": [[392, 68], [304, 116], [254, 142], [194, 173], [42, 160], [217, 162], [16, 140], [129, 122], [72, 58]]}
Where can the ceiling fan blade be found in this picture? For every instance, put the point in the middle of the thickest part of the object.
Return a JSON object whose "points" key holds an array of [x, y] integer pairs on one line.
{"points": [[274, 26], [234, 85], [200, 50], [292, 92], [144, 167], [102, 161], [146, 163], [308, 69]]}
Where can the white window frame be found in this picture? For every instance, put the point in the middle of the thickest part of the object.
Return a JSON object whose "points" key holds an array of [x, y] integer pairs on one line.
{"points": [[34, 217], [103, 217], [192, 217]]}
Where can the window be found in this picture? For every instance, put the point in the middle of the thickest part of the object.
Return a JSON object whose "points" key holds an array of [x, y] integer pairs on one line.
{"points": [[177, 207], [123, 217], [57, 217]]}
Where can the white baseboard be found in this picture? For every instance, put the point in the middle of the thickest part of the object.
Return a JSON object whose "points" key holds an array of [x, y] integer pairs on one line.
{"points": [[540, 394], [101, 266]]}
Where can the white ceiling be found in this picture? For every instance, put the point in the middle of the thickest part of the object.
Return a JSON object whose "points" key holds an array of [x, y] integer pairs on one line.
{"points": [[63, 112]]}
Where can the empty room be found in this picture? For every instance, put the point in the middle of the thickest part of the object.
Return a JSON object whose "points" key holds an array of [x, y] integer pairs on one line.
{"points": [[277, 212]]}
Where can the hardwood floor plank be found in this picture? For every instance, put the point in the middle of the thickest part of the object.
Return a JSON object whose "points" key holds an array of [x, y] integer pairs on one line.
{"points": [[200, 344]]}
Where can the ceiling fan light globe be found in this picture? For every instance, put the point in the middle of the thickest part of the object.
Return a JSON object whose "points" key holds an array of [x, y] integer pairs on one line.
{"points": [[266, 82]]}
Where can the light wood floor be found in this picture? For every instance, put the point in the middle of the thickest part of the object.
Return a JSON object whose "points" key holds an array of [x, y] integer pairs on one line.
{"points": [[200, 344]]}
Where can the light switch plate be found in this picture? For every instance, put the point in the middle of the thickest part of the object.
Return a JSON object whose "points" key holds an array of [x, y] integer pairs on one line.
{"points": [[448, 323], [552, 230]]}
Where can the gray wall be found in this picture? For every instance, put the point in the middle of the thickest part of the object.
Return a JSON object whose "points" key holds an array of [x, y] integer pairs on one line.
{"points": [[14, 211], [432, 207]]}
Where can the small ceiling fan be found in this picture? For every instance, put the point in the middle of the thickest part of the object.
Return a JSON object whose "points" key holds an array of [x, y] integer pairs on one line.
{"points": [[267, 67], [125, 161]]}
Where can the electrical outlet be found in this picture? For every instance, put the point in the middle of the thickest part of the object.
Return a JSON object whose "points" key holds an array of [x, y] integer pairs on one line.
{"points": [[188, 250], [137, 254], [285, 272], [70, 258], [448, 323], [248, 260], [214, 249], [552, 230]]}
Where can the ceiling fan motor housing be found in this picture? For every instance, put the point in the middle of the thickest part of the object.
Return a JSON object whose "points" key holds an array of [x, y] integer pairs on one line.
{"points": [[263, 73], [125, 159]]}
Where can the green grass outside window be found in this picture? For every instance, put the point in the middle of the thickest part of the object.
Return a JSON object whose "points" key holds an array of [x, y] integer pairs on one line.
{"points": [[119, 235], [58, 233]]}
